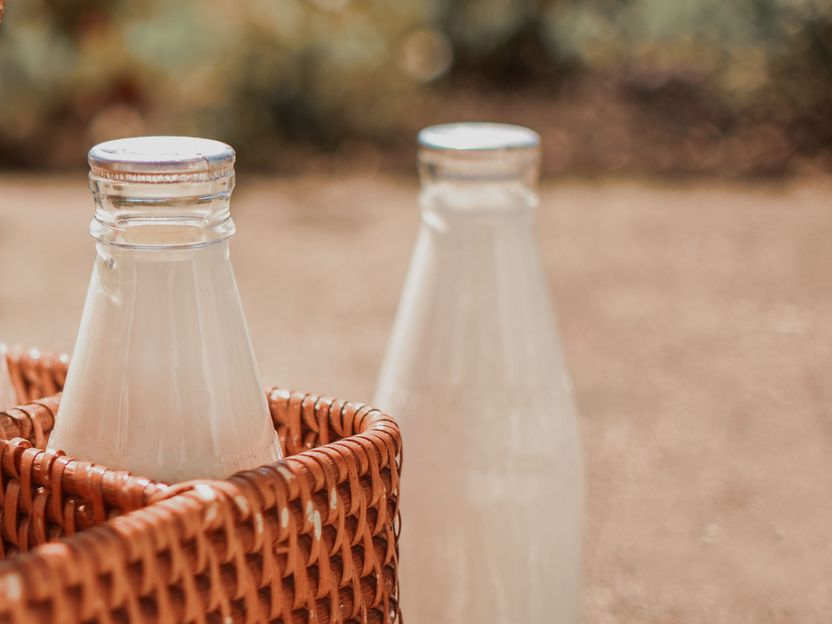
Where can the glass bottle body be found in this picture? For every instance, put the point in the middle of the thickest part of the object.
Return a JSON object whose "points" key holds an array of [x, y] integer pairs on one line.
{"points": [[163, 380], [493, 499]]}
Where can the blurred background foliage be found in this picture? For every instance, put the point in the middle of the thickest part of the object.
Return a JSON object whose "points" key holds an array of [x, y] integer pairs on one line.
{"points": [[733, 88]]}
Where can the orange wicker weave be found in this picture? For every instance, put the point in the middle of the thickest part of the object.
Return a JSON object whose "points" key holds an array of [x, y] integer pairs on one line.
{"points": [[311, 539]]}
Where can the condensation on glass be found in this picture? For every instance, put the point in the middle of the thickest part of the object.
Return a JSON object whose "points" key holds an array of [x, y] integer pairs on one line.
{"points": [[163, 380], [493, 490]]}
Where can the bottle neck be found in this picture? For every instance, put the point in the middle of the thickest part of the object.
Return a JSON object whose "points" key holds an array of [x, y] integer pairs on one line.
{"points": [[158, 216], [118, 258], [463, 208], [479, 171]]}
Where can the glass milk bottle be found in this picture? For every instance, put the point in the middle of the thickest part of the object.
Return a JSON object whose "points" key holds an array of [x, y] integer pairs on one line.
{"points": [[163, 380], [493, 492]]}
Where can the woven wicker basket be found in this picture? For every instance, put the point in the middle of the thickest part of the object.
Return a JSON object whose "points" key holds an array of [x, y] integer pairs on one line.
{"points": [[310, 539]]}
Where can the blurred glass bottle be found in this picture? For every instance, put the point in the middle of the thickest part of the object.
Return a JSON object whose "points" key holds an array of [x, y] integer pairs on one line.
{"points": [[493, 487], [163, 380]]}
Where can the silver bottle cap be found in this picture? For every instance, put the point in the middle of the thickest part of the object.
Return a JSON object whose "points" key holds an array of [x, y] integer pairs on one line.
{"points": [[478, 137], [479, 151], [161, 159]]}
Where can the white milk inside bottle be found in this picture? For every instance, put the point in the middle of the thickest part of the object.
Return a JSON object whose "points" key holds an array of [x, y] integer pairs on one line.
{"points": [[163, 380]]}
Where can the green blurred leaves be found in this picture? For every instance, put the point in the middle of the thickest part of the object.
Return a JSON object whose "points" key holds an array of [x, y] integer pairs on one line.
{"points": [[279, 73]]}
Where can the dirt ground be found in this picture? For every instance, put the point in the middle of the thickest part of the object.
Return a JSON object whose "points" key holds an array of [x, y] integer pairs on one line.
{"points": [[696, 322]]}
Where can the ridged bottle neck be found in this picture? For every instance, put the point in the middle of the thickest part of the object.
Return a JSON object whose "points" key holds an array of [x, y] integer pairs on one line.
{"points": [[479, 169], [161, 216], [161, 192]]}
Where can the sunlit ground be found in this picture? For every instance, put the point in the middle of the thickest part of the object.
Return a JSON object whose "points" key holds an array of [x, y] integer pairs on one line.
{"points": [[696, 321]]}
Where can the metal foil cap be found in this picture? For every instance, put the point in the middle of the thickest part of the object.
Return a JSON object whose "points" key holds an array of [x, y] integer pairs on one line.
{"points": [[479, 151], [161, 159], [478, 137]]}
